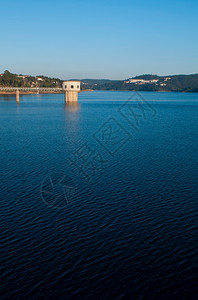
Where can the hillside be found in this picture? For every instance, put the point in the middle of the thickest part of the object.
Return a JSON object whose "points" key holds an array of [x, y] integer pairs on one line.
{"points": [[146, 82], [182, 83], [8, 79]]}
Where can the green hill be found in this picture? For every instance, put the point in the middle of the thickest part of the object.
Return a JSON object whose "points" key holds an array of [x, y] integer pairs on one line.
{"points": [[145, 82]]}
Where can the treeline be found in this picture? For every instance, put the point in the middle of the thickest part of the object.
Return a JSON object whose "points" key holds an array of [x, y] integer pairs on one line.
{"points": [[8, 79], [172, 83], [147, 82]]}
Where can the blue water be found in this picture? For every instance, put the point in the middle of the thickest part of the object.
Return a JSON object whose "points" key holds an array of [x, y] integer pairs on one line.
{"points": [[99, 200]]}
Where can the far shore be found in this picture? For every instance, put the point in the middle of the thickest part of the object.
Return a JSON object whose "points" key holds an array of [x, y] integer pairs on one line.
{"points": [[87, 90], [35, 93]]}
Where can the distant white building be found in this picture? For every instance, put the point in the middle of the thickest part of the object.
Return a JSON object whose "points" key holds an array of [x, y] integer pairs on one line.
{"points": [[23, 76], [142, 81]]}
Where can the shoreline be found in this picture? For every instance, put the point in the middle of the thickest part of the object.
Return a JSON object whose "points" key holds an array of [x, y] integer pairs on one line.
{"points": [[88, 90], [33, 93]]}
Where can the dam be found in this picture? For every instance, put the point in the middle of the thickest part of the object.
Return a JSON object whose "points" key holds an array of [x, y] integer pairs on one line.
{"points": [[70, 88]]}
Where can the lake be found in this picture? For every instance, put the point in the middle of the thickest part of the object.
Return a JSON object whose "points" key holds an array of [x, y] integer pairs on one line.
{"points": [[99, 199]]}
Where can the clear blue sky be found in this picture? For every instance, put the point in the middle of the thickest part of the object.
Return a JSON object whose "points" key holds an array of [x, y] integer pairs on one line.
{"points": [[99, 39]]}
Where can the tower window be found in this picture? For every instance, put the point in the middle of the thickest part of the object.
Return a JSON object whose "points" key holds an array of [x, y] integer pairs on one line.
{"points": [[65, 86], [72, 86], [77, 86]]}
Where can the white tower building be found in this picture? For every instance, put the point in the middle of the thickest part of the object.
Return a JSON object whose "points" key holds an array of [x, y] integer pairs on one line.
{"points": [[71, 88]]}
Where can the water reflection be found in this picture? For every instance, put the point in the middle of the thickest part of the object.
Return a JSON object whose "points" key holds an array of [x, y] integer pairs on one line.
{"points": [[72, 107], [72, 116], [7, 97], [71, 112]]}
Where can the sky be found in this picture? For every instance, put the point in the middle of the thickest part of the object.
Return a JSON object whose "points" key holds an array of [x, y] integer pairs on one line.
{"points": [[99, 39]]}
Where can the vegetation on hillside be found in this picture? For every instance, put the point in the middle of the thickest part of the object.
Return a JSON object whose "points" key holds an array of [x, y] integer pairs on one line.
{"points": [[146, 82], [181, 83], [8, 79]]}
